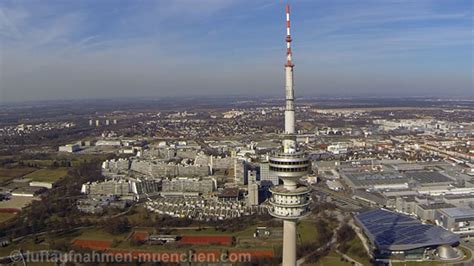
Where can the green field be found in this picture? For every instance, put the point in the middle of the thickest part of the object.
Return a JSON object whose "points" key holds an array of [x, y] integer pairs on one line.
{"points": [[26, 245], [357, 251], [206, 231], [332, 259], [248, 231], [307, 231], [39, 163], [47, 175], [99, 234], [6, 216], [10, 173]]}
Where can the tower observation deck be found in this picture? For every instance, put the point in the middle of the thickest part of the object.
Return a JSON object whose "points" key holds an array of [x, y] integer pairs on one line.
{"points": [[289, 201]]}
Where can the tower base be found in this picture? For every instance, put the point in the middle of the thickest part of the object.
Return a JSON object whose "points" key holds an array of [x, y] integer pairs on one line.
{"points": [[289, 243]]}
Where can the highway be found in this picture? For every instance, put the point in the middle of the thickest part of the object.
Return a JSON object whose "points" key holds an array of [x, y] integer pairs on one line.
{"points": [[356, 204]]}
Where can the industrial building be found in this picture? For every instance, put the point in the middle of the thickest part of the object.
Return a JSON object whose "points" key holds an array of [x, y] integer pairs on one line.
{"points": [[456, 220], [426, 212], [429, 178], [70, 148], [376, 180], [397, 236]]}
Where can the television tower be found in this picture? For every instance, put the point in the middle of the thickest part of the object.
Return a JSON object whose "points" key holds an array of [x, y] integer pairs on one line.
{"points": [[289, 201]]}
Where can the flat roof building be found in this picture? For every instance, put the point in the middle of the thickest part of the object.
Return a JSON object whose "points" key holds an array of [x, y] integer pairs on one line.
{"points": [[456, 220], [429, 178], [379, 180]]}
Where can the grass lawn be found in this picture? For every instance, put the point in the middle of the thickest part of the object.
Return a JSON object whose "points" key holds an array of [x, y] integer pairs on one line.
{"points": [[6, 216], [26, 245], [332, 259], [206, 231], [10, 173], [246, 232], [47, 175], [99, 234], [306, 231], [356, 245], [39, 163]]}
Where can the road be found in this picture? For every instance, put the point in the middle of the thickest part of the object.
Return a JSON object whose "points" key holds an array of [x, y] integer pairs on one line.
{"points": [[338, 196]]}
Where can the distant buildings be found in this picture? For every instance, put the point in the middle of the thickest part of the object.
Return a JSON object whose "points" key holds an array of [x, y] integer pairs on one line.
{"points": [[338, 148], [70, 148], [122, 188], [334, 185], [185, 184], [156, 168], [97, 204]]}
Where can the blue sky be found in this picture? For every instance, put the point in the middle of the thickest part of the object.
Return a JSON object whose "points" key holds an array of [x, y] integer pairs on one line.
{"points": [[116, 48]]}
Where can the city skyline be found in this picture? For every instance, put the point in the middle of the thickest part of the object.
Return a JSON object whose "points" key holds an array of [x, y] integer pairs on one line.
{"points": [[83, 50]]}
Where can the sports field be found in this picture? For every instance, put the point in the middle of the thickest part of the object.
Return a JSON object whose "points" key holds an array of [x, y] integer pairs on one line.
{"points": [[47, 175]]}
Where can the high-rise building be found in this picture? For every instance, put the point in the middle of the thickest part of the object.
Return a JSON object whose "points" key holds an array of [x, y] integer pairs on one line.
{"points": [[252, 197], [289, 201], [241, 168], [266, 175]]}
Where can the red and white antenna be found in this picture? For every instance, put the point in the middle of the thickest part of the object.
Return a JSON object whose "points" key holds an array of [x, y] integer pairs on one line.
{"points": [[289, 93], [289, 62]]}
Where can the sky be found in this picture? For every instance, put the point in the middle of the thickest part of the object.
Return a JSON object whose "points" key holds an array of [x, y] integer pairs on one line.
{"points": [[81, 49]]}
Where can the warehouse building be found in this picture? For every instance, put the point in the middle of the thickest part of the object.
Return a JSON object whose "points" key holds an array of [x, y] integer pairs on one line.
{"points": [[70, 148], [375, 180], [456, 220], [429, 178]]}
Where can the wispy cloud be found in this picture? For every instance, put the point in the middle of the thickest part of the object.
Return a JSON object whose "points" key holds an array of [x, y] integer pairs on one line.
{"points": [[9, 21], [98, 48]]}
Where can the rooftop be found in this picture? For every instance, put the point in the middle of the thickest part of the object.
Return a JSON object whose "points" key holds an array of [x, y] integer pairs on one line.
{"points": [[389, 230], [459, 212], [367, 179], [437, 205], [230, 193], [425, 177]]}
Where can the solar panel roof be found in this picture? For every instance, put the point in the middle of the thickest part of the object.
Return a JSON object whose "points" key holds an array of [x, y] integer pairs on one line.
{"points": [[389, 230], [428, 177]]}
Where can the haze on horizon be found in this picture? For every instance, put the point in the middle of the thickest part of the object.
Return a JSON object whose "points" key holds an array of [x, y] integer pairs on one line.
{"points": [[101, 49]]}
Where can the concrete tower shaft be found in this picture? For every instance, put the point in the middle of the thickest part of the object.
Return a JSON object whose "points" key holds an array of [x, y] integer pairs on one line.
{"points": [[289, 201]]}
